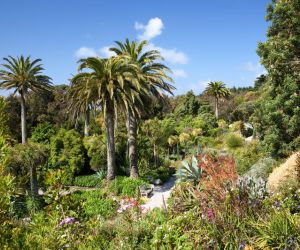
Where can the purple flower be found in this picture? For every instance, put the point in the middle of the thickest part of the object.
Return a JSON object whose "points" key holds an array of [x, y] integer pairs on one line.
{"points": [[67, 220]]}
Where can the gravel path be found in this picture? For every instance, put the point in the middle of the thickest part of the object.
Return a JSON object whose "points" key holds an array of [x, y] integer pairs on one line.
{"points": [[160, 195]]}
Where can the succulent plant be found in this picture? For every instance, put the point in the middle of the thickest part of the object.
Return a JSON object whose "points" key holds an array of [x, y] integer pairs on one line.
{"points": [[256, 188], [189, 171]]}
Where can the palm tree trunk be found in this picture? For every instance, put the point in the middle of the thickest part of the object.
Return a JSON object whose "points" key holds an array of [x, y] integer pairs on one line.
{"points": [[33, 183], [23, 118], [132, 144], [87, 122], [111, 156], [217, 107]]}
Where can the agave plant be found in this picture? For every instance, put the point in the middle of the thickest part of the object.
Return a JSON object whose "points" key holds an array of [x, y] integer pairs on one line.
{"points": [[189, 171]]}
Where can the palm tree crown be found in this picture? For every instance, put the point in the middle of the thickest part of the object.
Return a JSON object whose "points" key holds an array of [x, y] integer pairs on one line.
{"points": [[23, 75]]}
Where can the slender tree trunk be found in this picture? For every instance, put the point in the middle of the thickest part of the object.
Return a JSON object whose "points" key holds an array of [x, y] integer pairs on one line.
{"points": [[87, 122], [111, 155], [154, 155], [23, 118], [132, 144], [33, 183], [217, 107]]}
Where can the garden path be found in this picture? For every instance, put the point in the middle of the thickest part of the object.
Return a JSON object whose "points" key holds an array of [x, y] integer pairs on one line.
{"points": [[160, 195]]}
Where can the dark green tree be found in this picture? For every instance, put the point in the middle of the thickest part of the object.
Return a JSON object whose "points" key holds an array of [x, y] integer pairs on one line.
{"points": [[190, 105], [277, 116]]}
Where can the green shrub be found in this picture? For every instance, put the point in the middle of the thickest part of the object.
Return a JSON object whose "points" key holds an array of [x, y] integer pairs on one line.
{"points": [[3, 149], [163, 173], [246, 156], [87, 180], [125, 186], [42, 133], [95, 202], [67, 151], [234, 141], [96, 151], [4, 129]]}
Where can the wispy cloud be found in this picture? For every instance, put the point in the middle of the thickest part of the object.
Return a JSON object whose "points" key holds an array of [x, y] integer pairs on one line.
{"points": [[85, 52], [171, 55], [256, 68], [150, 30], [197, 87], [106, 52], [179, 73]]}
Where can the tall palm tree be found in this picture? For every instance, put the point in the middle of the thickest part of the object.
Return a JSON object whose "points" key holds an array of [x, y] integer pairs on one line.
{"points": [[218, 90], [154, 80], [106, 82], [23, 75]]}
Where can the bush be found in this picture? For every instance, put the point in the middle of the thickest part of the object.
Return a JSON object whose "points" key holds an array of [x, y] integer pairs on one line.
{"points": [[42, 133], [94, 203], [67, 151], [163, 173], [234, 141], [87, 181], [96, 151], [125, 186], [247, 156]]}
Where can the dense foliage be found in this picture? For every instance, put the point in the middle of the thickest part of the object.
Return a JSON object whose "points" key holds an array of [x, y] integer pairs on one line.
{"points": [[91, 147], [277, 115]]}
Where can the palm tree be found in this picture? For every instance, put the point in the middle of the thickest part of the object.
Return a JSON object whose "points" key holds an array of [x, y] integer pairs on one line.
{"points": [[106, 82], [81, 97], [23, 75], [154, 77], [218, 90]]}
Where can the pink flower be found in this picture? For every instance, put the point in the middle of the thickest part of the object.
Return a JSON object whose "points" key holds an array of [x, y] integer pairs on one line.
{"points": [[210, 214]]}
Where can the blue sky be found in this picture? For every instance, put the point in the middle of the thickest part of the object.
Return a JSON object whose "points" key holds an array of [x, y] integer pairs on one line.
{"points": [[201, 40]]}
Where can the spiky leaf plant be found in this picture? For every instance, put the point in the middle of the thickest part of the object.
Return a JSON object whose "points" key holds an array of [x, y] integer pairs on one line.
{"points": [[189, 171]]}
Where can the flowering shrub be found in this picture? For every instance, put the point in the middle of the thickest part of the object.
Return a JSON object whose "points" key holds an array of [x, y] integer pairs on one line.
{"points": [[218, 175], [130, 204]]}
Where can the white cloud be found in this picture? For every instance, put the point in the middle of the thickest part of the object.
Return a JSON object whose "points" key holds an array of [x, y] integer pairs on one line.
{"points": [[197, 87], [85, 52], [106, 52], [152, 29], [179, 73], [257, 68], [171, 55]]}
